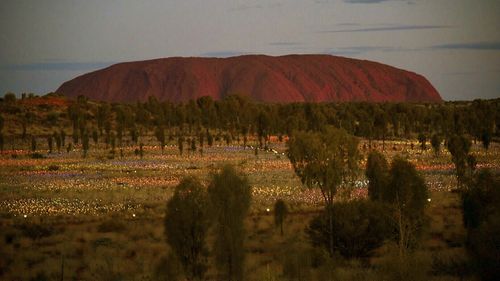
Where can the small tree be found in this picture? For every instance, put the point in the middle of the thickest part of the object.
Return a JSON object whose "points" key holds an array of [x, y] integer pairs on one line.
{"points": [[201, 138], [95, 136], [50, 143], [141, 150], [359, 228], [180, 144], [230, 195], [481, 214], [325, 160], [436, 144], [210, 139], [160, 136], [1, 141], [407, 193], [85, 144], [63, 138], [280, 214], [377, 173], [186, 227], [422, 139], [193, 145], [459, 148], [486, 139], [33, 143], [57, 137], [10, 98]]}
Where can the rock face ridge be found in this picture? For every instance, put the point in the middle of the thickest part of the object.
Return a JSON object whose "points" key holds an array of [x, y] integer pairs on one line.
{"points": [[283, 79]]}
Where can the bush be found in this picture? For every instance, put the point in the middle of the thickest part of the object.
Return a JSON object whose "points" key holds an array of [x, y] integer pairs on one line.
{"points": [[168, 269], [37, 155], [53, 168], [359, 227], [481, 214], [413, 267], [36, 231], [186, 227], [377, 173], [230, 195]]}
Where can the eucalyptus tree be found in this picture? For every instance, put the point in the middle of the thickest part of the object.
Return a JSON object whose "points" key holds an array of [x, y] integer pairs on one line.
{"points": [[325, 160], [186, 227]]}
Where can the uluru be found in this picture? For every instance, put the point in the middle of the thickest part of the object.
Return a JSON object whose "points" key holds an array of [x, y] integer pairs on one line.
{"points": [[280, 79]]}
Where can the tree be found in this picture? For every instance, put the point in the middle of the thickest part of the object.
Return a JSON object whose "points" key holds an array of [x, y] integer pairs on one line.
{"points": [[9, 98], [160, 136], [186, 227], [486, 139], [33, 143], [436, 144], [85, 144], [262, 127], [210, 139], [57, 137], [325, 160], [280, 214], [193, 145], [63, 138], [180, 144], [230, 195], [481, 214], [377, 173], [1, 141], [380, 126], [201, 139], [359, 228], [95, 136], [407, 194], [422, 139], [50, 143], [459, 148], [1, 123]]}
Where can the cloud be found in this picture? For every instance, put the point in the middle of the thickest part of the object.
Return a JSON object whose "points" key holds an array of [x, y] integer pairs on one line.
{"points": [[493, 45], [56, 66], [482, 72], [244, 7], [374, 1], [356, 50], [364, 1], [387, 28], [284, 43], [222, 54]]}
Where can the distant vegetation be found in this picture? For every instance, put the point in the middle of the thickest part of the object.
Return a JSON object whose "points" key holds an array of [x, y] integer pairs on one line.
{"points": [[200, 122]]}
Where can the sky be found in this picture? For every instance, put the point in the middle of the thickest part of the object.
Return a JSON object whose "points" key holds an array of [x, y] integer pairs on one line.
{"points": [[455, 44]]}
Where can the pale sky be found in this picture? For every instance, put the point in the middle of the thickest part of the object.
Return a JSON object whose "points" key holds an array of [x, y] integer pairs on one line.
{"points": [[453, 43]]}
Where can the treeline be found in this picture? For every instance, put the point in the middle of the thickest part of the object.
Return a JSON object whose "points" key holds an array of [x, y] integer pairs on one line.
{"points": [[236, 118]]}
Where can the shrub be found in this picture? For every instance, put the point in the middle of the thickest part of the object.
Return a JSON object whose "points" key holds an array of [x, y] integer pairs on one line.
{"points": [[230, 195], [37, 155], [377, 173], [359, 227], [36, 231], [186, 226], [280, 213], [481, 214]]}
